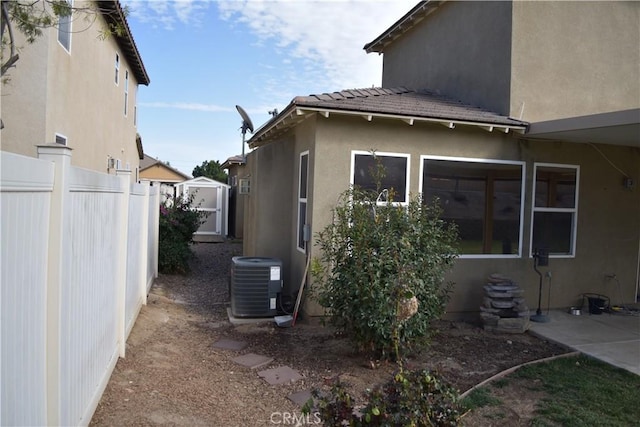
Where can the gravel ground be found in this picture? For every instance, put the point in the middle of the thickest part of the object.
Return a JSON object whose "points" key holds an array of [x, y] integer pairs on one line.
{"points": [[172, 374]]}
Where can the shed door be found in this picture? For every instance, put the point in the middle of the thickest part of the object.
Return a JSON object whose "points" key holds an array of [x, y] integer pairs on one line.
{"points": [[209, 199]]}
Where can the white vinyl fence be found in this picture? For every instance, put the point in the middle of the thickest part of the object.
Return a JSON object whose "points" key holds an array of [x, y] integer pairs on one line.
{"points": [[79, 254]]}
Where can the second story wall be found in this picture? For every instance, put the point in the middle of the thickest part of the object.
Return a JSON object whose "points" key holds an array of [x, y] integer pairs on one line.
{"points": [[575, 58], [68, 91], [462, 50]]}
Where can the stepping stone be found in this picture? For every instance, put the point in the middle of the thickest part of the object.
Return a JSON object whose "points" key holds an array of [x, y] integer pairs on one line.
{"points": [[253, 361], [226, 344], [300, 397], [281, 375]]}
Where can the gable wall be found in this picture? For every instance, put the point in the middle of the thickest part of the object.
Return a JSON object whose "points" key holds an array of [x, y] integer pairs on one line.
{"points": [[607, 238], [462, 50], [574, 58], [159, 172]]}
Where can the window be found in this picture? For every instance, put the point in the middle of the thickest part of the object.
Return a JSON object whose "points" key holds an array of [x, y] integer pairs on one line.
{"points": [[303, 175], [126, 91], [64, 29], [234, 181], [484, 198], [61, 139], [396, 173], [245, 186], [117, 77], [555, 208]]}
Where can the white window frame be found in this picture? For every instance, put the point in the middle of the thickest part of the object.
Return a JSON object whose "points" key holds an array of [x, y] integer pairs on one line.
{"points": [[302, 200], [66, 35], [573, 211], [117, 69], [522, 164], [126, 92], [244, 186], [355, 153], [59, 138]]}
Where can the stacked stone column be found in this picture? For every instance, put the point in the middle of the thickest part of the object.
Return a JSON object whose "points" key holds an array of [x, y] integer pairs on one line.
{"points": [[504, 309]]}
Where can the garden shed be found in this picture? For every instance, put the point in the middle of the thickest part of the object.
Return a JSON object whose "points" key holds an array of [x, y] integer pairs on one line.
{"points": [[211, 197]]}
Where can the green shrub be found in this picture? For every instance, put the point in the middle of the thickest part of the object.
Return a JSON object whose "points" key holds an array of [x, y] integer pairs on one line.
{"points": [[377, 261], [410, 398], [178, 221]]}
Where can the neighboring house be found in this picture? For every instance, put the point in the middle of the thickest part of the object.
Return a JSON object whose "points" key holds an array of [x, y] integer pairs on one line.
{"points": [[156, 171], [73, 88], [240, 184], [523, 117]]}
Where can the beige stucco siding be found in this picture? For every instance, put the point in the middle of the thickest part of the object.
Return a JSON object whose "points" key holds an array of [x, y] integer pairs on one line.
{"points": [[574, 58], [462, 50], [159, 172], [22, 99], [608, 215], [72, 94], [269, 207]]}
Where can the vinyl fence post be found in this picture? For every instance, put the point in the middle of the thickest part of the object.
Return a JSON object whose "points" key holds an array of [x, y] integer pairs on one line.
{"points": [[144, 247], [121, 278], [60, 155], [156, 227]]}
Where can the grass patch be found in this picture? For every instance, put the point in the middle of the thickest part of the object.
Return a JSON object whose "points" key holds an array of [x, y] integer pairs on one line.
{"points": [[583, 391], [501, 383], [480, 398]]}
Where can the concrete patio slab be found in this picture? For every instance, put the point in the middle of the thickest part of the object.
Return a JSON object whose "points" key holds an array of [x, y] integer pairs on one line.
{"points": [[226, 344], [301, 397], [281, 375], [252, 360], [612, 338]]}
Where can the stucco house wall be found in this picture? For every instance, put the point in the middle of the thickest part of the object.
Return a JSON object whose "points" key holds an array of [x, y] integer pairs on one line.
{"points": [[574, 58], [462, 49], [534, 60], [606, 238], [52, 91], [269, 208]]}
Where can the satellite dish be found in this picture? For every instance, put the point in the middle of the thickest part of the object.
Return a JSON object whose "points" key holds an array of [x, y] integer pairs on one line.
{"points": [[246, 124]]}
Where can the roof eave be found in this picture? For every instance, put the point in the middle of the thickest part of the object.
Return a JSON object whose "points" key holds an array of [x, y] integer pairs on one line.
{"points": [[114, 14], [408, 21], [295, 113]]}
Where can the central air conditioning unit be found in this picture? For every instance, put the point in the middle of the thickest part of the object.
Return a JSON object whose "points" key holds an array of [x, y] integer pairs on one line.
{"points": [[254, 286]]}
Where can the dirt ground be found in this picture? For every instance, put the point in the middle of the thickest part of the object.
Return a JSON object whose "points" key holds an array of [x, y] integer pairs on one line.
{"points": [[172, 374]]}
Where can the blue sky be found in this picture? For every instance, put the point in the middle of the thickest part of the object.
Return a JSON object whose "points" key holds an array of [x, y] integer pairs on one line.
{"points": [[205, 57]]}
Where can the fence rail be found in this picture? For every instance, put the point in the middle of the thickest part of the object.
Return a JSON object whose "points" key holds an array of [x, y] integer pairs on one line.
{"points": [[79, 253]]}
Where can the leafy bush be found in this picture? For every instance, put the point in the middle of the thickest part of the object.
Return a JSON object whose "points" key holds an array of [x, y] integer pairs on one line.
{"points": [[178, 221], [381, 270], [410, 398]]}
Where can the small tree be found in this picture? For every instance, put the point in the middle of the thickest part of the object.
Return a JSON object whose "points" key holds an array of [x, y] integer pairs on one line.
{"points": [[211, 169], [178, 221], [381, 275]]}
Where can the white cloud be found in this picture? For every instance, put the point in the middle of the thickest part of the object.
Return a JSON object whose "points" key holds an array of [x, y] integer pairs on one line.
{"points": [[167, 13], [328, 36], [192, 106]]}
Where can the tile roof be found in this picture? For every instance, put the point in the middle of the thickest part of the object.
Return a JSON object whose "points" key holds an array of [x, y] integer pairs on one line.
{"points": [[401, 101], [234, 160]]}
